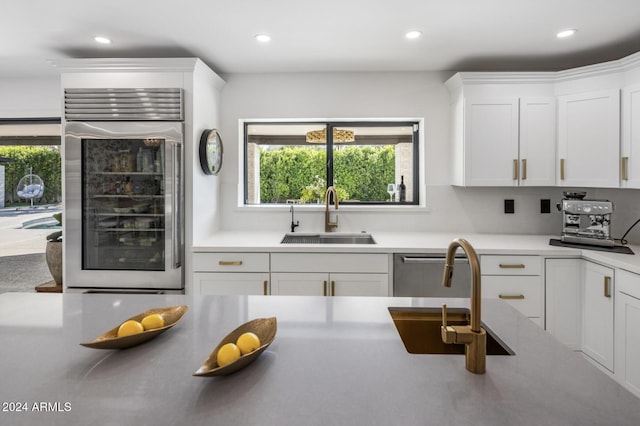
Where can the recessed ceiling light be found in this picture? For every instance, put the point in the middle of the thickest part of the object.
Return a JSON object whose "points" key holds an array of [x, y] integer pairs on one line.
{"points": [[263, 38], [566, 33], [102, 40], [413, 34]]}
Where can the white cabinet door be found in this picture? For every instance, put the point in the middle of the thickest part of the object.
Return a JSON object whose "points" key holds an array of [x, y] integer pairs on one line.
{"points": [[627, 338], [597, 314], [359, 284], [630, 166], [321, 284], [300, 284], [522, 292], [563, 290], [589, 139], [491, 141], [537, 141], [220, 283]]}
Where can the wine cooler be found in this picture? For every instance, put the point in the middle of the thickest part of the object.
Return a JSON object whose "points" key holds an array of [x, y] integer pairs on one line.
{"points": [[123, 226]]}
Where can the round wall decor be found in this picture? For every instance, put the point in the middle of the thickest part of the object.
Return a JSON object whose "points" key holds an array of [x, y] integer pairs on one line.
{"points": [[211, 152]]}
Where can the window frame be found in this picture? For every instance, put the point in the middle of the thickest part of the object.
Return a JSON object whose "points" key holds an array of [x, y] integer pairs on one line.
{"points": [[417, 146]]}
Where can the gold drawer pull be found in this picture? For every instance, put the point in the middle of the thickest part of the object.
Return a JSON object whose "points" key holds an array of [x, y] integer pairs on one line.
{"points": [[230, 262], [511, 266], [524, 169], [562, 169], [516, 172], [511, 297], [266, 284], [607, 286], [324, 288], [333, 288]]}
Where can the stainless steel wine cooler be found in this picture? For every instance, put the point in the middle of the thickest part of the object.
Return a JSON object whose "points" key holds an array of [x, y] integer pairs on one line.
{"points": [[124, 222]]}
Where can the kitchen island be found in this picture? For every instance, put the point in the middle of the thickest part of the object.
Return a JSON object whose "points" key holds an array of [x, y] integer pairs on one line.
{"points": [[335, 361]]}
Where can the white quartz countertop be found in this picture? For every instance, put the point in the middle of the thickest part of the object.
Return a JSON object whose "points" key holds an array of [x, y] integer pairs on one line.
{"points": [[334, 361], [417, 242]]}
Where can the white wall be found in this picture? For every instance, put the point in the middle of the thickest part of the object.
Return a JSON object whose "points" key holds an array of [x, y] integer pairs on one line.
{"points": [[30, 97], [364, 95], [203, 210]]}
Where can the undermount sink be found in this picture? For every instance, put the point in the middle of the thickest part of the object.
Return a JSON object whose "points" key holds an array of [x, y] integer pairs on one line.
{"points": [[419, 329], [328, 238]]}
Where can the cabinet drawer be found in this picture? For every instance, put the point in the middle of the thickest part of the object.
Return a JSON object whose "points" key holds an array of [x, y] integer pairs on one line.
{"points": [[511, 265], [323, 262], [523, 293], [231, 262], [220, 283]]}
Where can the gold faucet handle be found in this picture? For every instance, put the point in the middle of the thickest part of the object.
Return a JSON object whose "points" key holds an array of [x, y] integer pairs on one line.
{"points": [[449, 334]]}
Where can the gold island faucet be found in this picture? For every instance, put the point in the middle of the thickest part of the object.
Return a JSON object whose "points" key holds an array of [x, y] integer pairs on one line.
{"points": [[473, 336], [328, 225]]}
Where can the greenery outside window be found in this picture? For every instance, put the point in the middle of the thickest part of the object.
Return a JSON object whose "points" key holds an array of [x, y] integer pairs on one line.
{"points": [[294, 162]]}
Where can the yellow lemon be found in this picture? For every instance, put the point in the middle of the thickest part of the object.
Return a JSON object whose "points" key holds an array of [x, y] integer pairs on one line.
{"points": [[152, 321], [130, 327], [247, 343], [227, 354]]}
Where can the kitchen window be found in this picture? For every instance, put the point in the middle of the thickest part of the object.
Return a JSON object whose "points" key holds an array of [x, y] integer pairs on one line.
{"points": [[295, 162]]}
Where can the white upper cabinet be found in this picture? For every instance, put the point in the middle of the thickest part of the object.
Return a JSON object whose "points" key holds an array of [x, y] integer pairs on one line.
{"points": [[537, 141], [502, 134], [630, 162], [589, 139], [490, 142], [569, 128], [507, 142]]}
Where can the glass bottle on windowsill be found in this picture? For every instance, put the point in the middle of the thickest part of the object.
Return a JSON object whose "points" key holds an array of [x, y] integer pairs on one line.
{"points": [[402, 189]]}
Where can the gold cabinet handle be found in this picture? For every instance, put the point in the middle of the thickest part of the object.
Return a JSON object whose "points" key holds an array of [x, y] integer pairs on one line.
{"points": [[511, 266], [562, 169], [524, 169], [515, 170], [265, 286], [511, 296], [333, 288], [230, 262], [625, 168], [607, 287], [324, 288]]}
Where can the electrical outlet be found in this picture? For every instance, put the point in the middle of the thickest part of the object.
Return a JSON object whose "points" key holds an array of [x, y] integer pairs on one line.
{"points": [[545, 206], [509, 206]]}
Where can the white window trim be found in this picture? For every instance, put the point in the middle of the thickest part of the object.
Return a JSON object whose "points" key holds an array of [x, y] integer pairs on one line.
{"points": [[422, 206]]}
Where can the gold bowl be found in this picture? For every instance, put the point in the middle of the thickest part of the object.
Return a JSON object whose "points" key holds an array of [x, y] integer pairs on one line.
{"points": [[110, 339], [264, 328]]}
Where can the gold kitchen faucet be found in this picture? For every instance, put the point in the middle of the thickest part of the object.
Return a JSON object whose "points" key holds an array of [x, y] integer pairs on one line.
{"points": [[473, 336], [328, 225]]}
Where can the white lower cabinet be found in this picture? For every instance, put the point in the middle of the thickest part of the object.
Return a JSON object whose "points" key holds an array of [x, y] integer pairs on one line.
{"points": [[517, 280], [220, 283], [231, 273], [563, 294], [332, 284], [324, 274], [627, 337], [597, 313]]}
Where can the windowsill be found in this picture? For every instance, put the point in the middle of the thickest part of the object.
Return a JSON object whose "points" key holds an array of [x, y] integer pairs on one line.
{"points": [[378, 208]]}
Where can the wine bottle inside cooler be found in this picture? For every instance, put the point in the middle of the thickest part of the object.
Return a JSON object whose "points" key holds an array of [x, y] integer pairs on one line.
{"points": [[402, 190]]}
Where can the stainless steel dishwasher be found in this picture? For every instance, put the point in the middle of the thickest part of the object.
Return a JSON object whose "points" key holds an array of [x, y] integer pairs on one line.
{"points": [[420, 275]]}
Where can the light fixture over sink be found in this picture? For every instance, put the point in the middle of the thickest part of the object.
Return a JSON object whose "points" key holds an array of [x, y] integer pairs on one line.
{"points": [[339, 136]]}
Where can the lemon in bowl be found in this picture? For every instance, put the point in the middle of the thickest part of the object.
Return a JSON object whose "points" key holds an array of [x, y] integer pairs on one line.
{"points": [[248, 342], [153, 321], [227, 354], [130, 327]]}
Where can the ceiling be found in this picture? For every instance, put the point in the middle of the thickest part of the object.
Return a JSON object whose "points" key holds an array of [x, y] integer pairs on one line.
{"points": [[322, 36]]}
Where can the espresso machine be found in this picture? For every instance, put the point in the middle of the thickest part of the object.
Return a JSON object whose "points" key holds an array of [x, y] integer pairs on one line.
{"points": [[586, 221]]}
